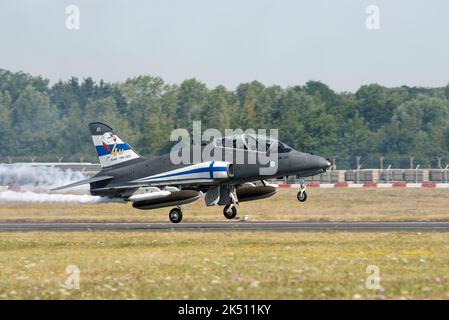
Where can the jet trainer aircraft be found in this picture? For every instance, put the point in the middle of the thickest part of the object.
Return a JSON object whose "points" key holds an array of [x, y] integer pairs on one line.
{"points": [[156, 183]]}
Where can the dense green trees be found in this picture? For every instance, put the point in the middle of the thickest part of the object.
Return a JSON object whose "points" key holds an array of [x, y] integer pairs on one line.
{"points": [[47, 121]]}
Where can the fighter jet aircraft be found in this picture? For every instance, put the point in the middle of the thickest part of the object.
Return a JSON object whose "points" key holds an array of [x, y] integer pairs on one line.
{"points": [[158, 182]]}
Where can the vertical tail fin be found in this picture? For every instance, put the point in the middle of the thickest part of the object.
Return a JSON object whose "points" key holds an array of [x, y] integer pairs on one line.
{"points": [[111, 149]]}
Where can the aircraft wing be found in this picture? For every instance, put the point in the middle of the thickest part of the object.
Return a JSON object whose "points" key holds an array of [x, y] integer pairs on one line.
{"points": [[86, 181], [124, 187]]}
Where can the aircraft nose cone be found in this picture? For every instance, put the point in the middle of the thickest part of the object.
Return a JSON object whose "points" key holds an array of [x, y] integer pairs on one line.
{"points": [[320, 162]]}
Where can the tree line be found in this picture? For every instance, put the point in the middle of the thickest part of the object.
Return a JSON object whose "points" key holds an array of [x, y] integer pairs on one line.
{"points": [[50, 120]]}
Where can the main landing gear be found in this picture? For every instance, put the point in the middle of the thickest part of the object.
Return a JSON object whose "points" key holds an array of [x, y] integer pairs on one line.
{"points": [[230, 211], [175, 215], [302, 194]]}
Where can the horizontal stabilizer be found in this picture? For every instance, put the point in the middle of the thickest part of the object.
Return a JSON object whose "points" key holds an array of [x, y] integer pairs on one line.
{"points": [[86, 181]]}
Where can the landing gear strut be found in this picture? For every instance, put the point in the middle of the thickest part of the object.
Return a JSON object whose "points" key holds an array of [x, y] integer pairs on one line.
{"points": [[230, 211], [175, 215], [302, 194]]}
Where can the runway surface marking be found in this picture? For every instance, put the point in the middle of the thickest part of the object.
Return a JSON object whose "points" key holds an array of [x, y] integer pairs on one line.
{"points": [[291, 226]]}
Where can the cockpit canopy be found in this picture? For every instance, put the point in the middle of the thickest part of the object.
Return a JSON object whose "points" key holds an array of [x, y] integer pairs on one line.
{"points": [[252, 142]]}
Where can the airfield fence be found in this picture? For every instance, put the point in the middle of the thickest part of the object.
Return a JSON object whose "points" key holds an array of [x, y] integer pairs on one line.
{"points": [[376, 176]]}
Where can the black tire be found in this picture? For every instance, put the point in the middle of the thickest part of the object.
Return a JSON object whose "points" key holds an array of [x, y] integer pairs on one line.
{"points": [[175, 215], [230, 212], [302, 196]]}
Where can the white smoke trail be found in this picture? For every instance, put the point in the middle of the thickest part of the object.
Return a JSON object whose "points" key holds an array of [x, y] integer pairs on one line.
{"points": [[30, 196], [40, 178], [35, 182]]}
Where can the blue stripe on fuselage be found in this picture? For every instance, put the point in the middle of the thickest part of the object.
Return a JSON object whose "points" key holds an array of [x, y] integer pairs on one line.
{"points": [[209, 169], [101, 150]]}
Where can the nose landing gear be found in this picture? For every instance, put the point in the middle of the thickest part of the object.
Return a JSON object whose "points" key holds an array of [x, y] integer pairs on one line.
{"points": [[302, 194]]}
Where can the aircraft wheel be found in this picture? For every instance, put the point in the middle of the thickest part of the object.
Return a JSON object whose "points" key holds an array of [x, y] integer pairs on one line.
{"points": [[175, 215], [302, 196], [230, 212]]}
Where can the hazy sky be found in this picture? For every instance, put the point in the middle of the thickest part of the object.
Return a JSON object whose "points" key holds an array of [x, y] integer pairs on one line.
{"points": [[284, 42]]}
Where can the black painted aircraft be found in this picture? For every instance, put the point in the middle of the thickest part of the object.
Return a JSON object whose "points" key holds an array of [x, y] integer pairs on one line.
{"points": [[226, 177]]}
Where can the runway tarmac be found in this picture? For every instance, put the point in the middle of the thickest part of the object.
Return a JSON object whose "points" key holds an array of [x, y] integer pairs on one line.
{"points": [[290, 226]]}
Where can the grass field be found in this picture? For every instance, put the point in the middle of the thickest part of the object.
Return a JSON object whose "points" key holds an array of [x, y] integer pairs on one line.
{"points": [[233, 265], [323, 204], [224, 265]]}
